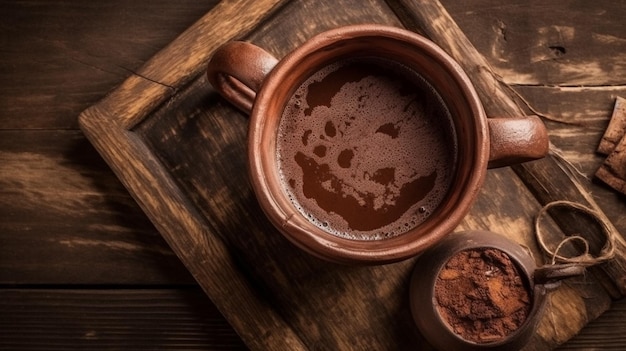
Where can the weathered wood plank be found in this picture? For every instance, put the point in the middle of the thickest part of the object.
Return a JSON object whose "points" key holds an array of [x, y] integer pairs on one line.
{"points": [[188, 234], [183, 59], [576, 120], [608, 332], [66, 219], [149, 319], [59, 58], [128, 319], [548, 43], [171, 212]]}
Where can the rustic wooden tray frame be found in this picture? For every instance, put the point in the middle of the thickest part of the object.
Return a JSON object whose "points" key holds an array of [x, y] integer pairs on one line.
{"points": [[120, 128]]}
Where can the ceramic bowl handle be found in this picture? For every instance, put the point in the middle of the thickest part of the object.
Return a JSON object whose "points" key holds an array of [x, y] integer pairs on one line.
{"points": [[517, 139], [237, 70], [552, 274]]}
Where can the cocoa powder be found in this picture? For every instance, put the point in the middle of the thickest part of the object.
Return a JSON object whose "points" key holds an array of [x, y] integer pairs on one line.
{"points": [[481, 295]]}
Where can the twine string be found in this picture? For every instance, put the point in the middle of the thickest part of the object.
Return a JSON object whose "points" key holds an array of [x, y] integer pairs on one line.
{"points": [[606, 253]]}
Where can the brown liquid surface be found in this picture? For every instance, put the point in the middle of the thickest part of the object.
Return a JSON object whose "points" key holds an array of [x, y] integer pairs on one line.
{"points": [[366, 149]]}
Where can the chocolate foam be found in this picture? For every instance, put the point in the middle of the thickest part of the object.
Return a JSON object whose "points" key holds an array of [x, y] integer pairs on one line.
{"points": [[366, 149]]}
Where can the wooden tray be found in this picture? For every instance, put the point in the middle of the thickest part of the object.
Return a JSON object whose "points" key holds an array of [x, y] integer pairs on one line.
{"points": [[180, 151]]}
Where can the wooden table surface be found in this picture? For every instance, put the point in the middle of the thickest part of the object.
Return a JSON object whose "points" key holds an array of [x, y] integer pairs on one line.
{"points": [[81, 266]]}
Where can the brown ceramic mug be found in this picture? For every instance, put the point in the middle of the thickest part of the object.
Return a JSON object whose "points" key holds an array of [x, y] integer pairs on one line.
{"points": [[489, 326], [368, 143]]}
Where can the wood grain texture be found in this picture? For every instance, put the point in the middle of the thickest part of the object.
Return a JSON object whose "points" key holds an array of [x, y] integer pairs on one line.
{"points": [[567, 44], [128, 319], [143, 172], [65, 219], [63, 209], [62, 57], [150, 319], [605, 333], [184, 59], [172, 213]]}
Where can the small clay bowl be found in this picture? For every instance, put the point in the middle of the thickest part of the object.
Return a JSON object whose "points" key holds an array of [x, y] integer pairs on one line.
{"points": [[424, 302]]}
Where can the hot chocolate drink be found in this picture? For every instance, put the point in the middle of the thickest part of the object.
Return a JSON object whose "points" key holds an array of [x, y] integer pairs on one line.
{"points": [[366, 149]]}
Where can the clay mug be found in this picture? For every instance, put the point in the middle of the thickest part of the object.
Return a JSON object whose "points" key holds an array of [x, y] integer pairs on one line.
{"points": [[306, 177], [537, 280]]}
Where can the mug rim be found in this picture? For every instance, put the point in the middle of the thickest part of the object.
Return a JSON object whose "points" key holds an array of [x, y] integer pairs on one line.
{"points": [[315, 240]]}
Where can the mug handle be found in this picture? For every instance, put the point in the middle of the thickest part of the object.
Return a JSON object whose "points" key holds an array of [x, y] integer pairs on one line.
{"points": [[237, 70], [516, 139], [552, 274]]}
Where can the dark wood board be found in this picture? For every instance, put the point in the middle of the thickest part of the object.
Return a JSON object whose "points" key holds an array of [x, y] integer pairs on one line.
{"points": [[179, 149], [550, 44], [112, 319], [48, 178], [61, 57]]}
